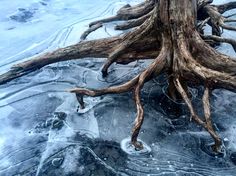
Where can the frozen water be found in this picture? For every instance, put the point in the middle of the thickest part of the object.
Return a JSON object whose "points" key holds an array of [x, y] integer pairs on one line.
{"points": [[127, 147], [43, 134]]}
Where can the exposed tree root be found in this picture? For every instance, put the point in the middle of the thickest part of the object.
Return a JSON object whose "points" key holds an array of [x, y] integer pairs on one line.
{"points": [[208, 120], [207, 124], [214, 38], [156, 67], [217, 19], [228, 16], [133, 23], [127, 41], [172, 33], [127, 12], [101, 48], [136, 84], [80, 92], [89, 30], [226, 7]]}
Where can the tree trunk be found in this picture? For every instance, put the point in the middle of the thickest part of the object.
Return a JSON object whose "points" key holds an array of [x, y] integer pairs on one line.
{"points": [[171, 32]]}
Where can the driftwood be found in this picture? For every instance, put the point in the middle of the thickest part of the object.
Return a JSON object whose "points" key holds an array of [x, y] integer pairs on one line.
{"points": [[171, 32]]}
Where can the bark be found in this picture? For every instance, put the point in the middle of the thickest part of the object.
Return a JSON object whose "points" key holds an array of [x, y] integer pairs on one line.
{"points": [[171, 32]]}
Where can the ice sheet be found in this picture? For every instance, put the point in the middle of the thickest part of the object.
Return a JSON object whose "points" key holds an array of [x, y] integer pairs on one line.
{"points": [[43, 134]]}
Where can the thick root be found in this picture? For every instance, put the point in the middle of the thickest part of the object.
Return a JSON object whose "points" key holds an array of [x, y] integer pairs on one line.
{"points": [[219, 78], [96, 48], [166, 31], [102, 48]]}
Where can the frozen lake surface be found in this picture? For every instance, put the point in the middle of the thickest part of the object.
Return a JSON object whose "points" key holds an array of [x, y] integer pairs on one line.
{"points": [[43, 134]]}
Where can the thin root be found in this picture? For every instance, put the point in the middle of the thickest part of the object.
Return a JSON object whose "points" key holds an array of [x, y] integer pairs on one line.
{"points": [[188, 102], [90, 29], [139, 118], [202, 24], [80, 92], [224, 26], [206, 105], [230, 20], [230, 15], [106, 20], [133, 23], [127, 12], [222, 40]]}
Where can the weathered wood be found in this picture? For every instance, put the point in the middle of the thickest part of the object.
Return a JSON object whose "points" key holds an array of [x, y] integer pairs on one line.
{"points": [[101, 48], [166, 31]]}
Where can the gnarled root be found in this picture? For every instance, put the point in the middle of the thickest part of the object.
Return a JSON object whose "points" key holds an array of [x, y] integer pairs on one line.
{"points": [[207, 124], [139, 13], [133, 23], [213, 38], [166, 31], [210, 76], [206, 105], [89, 30], [109, 48], [80, 92], [153, 70], [135, 84], [217, 19], [127, 41]]}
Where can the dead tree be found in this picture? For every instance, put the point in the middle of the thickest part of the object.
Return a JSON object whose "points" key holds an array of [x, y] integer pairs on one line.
{"points": [[171, 32]]}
